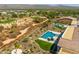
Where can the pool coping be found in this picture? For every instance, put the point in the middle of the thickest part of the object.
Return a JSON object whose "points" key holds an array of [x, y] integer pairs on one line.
{"points": [[52, 32], [46, 39]]}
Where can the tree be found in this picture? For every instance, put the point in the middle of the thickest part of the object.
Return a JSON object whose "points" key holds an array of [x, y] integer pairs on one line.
{"points": [[37, 19], [17, 45], [14, 32], [14, 15], [22, 15], [2, 37]]}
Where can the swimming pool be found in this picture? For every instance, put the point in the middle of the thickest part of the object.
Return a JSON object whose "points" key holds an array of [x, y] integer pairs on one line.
{"points": [[49, 34]]}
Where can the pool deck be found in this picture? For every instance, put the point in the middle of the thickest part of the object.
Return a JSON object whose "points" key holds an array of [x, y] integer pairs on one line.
{"points": [[46, 40]]}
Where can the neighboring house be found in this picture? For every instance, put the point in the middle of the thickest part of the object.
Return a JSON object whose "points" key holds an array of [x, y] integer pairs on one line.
{"points": [[70, 39]]}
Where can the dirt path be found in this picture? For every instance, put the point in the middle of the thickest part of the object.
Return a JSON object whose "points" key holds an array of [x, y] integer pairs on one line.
{"points": [[26, 31]]}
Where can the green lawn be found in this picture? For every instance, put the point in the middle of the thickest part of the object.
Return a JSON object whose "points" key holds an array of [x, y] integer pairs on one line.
{"points": [[44, 45]]}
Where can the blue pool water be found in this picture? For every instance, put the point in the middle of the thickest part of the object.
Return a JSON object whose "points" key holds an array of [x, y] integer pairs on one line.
{"points": [[49, 34]]}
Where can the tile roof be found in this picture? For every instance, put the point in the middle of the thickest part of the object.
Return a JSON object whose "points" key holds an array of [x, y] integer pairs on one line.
{"points": [[72, 45]]}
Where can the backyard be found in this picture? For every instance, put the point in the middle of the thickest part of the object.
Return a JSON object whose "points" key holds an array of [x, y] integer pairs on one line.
{"points": [[44, 45]]}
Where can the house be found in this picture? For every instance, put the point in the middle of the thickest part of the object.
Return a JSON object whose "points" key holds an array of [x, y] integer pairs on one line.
{"points": [[70, 39]]}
